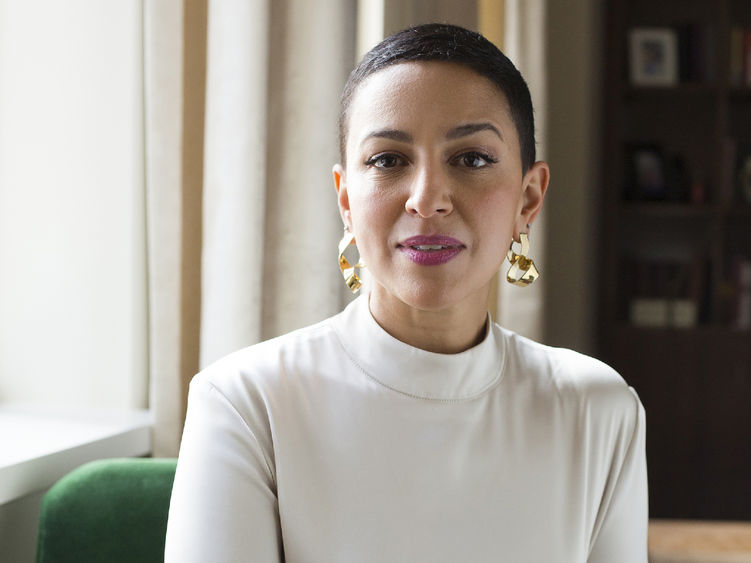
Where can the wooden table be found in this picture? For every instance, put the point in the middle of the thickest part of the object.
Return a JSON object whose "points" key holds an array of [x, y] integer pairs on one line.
{"points": [[696, 541]]}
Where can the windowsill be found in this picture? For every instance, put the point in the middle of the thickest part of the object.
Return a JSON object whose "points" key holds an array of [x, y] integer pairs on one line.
{"points": [[41, 444]]}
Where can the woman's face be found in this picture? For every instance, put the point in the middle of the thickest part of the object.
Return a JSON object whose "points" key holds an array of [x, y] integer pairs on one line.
{"points": [[433, 187]]}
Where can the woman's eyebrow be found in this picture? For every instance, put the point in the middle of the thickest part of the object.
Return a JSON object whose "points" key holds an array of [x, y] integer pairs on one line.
{"points": [[455, 133], [393, 134], [464, 130]]}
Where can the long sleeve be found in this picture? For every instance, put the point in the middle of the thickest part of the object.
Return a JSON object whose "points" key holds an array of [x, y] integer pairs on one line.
{"points": [[224, 504], [622, 535]]}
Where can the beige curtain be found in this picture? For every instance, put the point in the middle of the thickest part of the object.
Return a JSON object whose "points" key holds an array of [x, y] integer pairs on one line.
{"points": [[169, 336], [235, 175], [521, 309], [241, 106]]}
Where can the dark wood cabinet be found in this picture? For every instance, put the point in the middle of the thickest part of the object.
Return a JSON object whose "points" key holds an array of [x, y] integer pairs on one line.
{"points": [[674, 315]]}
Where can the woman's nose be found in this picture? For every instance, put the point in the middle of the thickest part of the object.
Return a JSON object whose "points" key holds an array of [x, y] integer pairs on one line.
{"points": [[429, 195]]}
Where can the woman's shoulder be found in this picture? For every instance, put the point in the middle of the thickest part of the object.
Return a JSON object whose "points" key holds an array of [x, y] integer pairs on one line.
{"points": [[261, 365], [567, 374]]}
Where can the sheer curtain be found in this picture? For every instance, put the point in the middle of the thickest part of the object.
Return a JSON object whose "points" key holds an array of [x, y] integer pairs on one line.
{"points": [[241, 105]]}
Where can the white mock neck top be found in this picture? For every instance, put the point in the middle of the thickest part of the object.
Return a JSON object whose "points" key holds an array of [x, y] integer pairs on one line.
{"points": [[339, 443], [416, 372]]}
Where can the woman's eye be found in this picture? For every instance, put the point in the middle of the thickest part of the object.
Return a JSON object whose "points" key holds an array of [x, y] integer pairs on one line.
{"points": [[476, 160], [384, 161]]}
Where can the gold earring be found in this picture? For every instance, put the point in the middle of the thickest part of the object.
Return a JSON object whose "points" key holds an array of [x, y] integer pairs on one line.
{"points": [[522, 271], [348, 271]]}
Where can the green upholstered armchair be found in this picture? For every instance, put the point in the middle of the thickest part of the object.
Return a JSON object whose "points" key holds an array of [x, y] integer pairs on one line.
{"points": [[111, 510]]}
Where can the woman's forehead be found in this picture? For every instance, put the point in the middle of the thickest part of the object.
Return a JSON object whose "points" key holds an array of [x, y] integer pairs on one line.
{"points": [[418, 94], [453, 79]]}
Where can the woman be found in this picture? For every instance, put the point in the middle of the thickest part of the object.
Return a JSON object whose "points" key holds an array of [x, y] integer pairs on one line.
{"points": [[410, 427]]}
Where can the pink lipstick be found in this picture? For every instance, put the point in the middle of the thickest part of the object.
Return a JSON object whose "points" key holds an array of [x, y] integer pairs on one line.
{"points": [[431, 250]]}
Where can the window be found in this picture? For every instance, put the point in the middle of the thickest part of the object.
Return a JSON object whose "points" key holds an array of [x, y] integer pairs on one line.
{"points": [[73, 313]]}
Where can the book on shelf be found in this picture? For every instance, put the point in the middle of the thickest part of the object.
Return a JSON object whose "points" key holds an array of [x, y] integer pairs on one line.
{"points": [[729, 169], [740, 56], [735, 184], [742, 301], [736, 56], [743, 176], [695, 58]]}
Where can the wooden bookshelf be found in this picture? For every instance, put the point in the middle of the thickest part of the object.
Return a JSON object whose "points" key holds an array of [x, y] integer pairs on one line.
{"points": [[674, 313]]}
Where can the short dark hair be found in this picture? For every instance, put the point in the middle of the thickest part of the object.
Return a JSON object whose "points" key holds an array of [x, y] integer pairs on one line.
{"points": [[454, 44]]}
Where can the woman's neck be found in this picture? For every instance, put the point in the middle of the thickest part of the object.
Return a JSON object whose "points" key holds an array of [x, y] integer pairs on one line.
{"points": [[445, 331]]}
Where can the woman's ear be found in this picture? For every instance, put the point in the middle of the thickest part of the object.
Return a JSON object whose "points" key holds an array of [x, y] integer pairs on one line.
{"points": [[342, 196], [534, 186]]}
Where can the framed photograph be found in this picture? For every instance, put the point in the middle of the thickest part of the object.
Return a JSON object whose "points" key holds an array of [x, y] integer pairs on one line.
{"points": [[646, 180], [653, 56]]}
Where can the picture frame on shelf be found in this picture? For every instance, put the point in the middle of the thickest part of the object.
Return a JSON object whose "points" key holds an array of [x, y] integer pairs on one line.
{"points": [[646, 174], [653, 56]]}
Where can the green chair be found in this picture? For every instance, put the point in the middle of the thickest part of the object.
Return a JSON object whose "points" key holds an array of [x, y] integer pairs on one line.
{"points": [[111, 510]]}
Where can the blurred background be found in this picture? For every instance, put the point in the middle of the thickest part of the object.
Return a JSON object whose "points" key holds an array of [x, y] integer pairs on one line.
{"points": [[166, 198]]}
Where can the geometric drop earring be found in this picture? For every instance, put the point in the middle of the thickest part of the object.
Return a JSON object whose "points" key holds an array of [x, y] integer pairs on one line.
{"points": [[522, 271], [349, 272]]}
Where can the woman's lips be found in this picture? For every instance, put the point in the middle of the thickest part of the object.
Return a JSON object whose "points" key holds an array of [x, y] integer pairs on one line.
{"points": [[431, 250]]}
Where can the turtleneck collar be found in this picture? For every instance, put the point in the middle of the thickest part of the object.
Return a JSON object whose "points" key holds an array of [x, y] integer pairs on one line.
{"points": [[417, 372]]}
